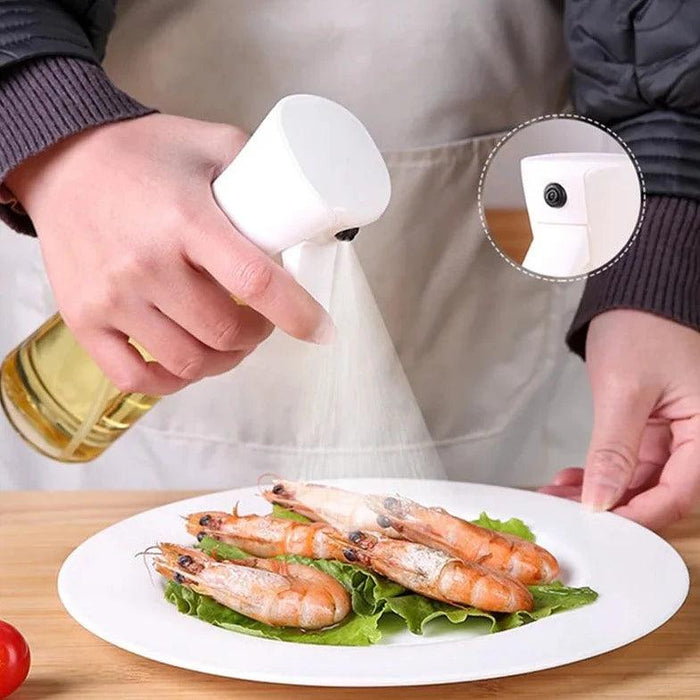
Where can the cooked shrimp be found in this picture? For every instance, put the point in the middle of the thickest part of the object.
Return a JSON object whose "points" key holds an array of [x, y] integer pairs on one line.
{"points": [[438, 575], [268, 590], [344, 510], [414, 566], [265, 536], [435, 527], [400, 517]]}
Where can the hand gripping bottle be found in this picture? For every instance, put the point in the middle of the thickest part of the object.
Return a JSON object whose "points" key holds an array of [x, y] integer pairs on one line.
{"points": [[309, 176]]}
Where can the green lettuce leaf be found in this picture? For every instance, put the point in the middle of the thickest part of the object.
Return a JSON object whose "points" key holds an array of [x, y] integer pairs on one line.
{"points": [[375, 599], [281, 512], [417, 610], [549, 598], [514, 526]]}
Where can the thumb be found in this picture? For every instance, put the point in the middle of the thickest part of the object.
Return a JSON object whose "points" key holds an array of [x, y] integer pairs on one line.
{"points": [[620, 416]]}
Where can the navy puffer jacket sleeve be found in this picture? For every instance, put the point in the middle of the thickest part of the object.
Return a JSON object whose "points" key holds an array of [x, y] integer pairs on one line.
{"points": [[636, 68], [34, 28]]}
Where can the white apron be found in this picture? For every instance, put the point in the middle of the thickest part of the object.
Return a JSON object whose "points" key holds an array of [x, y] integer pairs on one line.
{"points": [[436, 82]]}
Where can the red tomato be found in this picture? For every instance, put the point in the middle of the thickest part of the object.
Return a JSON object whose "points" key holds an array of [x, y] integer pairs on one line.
{"points": [[14, 659]]}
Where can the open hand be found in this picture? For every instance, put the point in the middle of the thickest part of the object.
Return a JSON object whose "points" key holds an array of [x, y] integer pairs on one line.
{"points": [[643, 460]]}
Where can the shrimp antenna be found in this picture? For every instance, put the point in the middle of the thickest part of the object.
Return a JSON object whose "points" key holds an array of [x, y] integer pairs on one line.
{"points": [[152, 551]]}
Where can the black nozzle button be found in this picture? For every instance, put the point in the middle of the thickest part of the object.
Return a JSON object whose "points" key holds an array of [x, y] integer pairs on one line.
{"points": [[555, 195], [347, 235]]}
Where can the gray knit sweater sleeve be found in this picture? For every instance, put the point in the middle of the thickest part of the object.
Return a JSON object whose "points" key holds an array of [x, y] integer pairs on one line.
{"points": [[44, 100]]}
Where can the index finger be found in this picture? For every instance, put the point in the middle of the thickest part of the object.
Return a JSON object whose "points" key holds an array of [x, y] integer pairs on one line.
{"points": [[254, 278]]}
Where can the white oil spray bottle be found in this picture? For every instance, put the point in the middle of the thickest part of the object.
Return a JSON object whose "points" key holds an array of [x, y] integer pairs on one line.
{"points": [[309, 173]]}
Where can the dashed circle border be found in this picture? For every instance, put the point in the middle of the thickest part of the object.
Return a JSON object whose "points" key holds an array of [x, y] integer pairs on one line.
{"points": [[550, 117]]}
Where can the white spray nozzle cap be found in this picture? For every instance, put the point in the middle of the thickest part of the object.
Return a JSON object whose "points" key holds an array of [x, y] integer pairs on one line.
{"points": [[582, 207], [309, 171]]}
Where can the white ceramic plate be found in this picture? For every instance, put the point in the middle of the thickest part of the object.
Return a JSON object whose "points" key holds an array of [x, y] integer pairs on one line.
{"points": [[641, 580]]}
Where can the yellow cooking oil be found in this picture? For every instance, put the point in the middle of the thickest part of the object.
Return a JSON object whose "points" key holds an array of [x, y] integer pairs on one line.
{"points": [[59, 400]]}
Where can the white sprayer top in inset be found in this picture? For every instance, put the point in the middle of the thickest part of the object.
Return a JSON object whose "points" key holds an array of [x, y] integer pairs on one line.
{"points": [[582, 207]]}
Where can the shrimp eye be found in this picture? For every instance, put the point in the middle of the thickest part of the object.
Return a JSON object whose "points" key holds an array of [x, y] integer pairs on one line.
{"points": [[184, 560], [391, 504], [350, 555], [356, 537], [277, 489], [383, 521], [179, 578], [201, 536], [205, 520]]}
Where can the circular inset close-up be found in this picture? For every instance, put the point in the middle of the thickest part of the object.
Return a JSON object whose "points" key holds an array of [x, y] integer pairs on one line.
{"points": [[561, 197]]}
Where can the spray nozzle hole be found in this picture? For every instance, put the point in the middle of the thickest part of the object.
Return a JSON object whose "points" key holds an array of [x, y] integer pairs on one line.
{"points": [[347, 235], [555, 195]]}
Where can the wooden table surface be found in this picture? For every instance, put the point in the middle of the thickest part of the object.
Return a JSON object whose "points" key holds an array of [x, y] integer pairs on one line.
{"points": [[510, 229], [39, 529]]}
